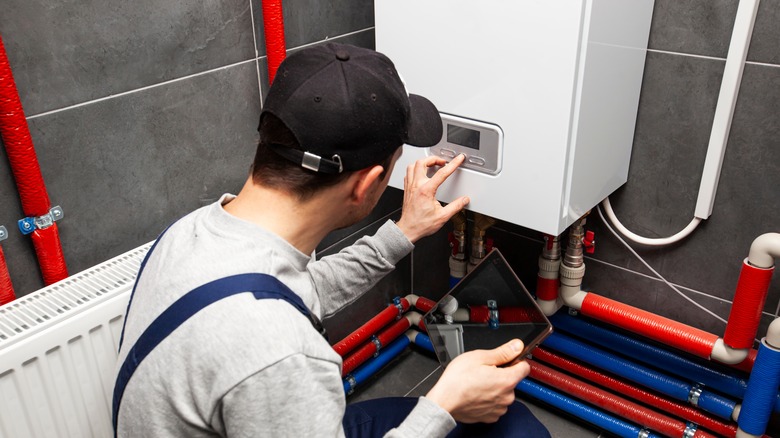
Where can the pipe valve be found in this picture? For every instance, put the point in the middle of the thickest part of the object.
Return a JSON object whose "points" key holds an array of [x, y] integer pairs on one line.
{"points": [[589, 242]]}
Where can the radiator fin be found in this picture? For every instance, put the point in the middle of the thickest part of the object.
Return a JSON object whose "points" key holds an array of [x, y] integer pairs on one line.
{"points": [[58, 352]]}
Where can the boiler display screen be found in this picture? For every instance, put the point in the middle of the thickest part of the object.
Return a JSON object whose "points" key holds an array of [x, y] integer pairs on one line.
{"points": [[463, 136]]}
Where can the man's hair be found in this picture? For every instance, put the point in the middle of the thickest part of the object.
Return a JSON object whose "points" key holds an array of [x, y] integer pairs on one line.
{"points": [[274, 171]]}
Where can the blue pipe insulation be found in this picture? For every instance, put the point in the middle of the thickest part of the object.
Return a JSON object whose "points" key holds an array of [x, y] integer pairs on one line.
{"points": [[371, 367], [730, 384], [422, 340], [594, 416], [670, 386], [762, 386]]}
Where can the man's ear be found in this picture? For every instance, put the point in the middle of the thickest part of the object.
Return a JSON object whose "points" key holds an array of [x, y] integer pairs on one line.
{"points": [[364, 181]]}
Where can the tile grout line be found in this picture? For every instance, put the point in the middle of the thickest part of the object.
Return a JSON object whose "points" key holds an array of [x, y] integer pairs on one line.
{"points": [[257, 54], [147, 87]]}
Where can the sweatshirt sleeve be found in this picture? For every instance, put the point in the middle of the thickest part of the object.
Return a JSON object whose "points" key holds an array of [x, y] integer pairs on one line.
{"points": [[426, 419], [343, 277]]}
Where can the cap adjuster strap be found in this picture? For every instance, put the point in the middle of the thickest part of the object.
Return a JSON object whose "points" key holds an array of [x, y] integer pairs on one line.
{"points": [[310, 161]]}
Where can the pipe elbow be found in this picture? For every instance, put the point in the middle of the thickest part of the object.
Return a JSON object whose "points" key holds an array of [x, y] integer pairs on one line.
{"points": [[725, 354], [764, 250], [549, 307], [414, 319], [573, 297], [773, 334]]}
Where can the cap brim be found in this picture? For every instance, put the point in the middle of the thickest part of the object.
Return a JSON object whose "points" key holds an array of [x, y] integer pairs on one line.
{"points": [[425, 127]]}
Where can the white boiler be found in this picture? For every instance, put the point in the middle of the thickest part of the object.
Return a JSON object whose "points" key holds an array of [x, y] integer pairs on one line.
{"points": [[540, 95]]}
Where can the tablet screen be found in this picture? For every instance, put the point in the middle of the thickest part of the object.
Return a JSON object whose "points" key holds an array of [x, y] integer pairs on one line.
{"points": [[486, 309]]}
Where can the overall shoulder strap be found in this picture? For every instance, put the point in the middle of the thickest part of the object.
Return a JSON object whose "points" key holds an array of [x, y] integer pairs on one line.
{"points": [[262, 286]]}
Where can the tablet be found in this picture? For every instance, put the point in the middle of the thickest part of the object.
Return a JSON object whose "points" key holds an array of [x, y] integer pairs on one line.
{"points": [[486, 309]]}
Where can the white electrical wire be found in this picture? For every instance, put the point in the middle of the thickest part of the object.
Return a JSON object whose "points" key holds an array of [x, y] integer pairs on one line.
{"points": [[660, 241], [656, 272]]}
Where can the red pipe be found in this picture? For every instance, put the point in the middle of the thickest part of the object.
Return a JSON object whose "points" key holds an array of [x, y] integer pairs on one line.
{"points": [[617, 405], [481, 314], [619, 386], [749, 299], [357, 337], [273, 26], [367, 350], [650, 325], [6, 287], [424, 305], [27, 173], [547, 289]]}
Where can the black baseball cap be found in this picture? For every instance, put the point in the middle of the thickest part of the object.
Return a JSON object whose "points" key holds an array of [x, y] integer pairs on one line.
{"points": [[348, 108]]}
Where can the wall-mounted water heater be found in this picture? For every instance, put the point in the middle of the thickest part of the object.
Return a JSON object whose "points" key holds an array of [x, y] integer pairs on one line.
{"points": [[540, 95]]}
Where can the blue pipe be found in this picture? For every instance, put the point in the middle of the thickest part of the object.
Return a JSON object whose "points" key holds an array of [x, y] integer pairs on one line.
{"points": [[670, 386], [729, 384], [757, 406], [581, 410], [371, 367], [422, 340]]}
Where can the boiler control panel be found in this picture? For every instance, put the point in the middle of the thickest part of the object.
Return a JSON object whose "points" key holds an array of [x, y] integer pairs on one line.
{"points": [[481, 143]]}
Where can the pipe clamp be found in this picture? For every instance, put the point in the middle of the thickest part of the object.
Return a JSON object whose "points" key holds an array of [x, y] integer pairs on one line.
{"points": [[378, 344], [694, 394], [352, 383], [690, 430], [644, 433], [3, 233], [399, 306], [29, 224], [492, 314]]}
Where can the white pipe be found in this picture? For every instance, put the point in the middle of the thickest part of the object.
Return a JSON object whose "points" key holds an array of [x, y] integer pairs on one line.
{"points": [[727, 100], [725, 354], [571, 280], [660, 241], [549, 307], [773, 334], [764, 250], [413, 317], [412, 298]]}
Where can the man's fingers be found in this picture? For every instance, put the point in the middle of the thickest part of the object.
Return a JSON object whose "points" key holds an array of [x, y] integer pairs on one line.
{"points": [[455, 206], [444, 173]]}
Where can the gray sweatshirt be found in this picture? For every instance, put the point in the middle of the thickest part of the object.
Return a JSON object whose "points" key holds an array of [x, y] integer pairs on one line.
{"points": [[244, 367]]}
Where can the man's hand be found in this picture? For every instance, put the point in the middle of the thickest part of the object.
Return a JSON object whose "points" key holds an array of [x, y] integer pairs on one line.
{"points": [[474, 389], [422, 215]]}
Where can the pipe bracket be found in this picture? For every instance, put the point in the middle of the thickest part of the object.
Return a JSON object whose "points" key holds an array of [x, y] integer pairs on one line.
{"points": [[377, 343], [644, 433], [694, 394], [399, 306], [3, 233], [690, 430], [352, 383], [29, 224]]}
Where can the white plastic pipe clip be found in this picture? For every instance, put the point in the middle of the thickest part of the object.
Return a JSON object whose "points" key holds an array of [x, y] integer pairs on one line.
{"points": [[30, 224], [3, 233]]}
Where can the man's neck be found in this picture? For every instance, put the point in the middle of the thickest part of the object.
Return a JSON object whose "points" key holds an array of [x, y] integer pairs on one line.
{"points": [[302, 224]]}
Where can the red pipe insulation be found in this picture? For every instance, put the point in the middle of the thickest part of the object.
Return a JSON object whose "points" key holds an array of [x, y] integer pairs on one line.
{"points": [[675, 408], [367, 350], [639, 414], [27, 173], [273, 26], [480, 314], [357, 337], [424, 305], [650, 325], [6, 287], [749, 299], [547, 289]]}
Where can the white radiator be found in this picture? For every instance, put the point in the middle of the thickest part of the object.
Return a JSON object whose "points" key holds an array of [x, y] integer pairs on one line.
{"points": [[58, 349]]}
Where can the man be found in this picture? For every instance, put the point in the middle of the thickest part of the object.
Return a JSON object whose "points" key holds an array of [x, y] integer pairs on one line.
{"points": [[331, 131]]}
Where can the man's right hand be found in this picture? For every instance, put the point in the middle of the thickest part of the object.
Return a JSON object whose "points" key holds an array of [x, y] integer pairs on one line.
{"points": [[475, 389]]}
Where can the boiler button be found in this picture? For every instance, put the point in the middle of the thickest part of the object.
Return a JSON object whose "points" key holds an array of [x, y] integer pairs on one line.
{"points": [[449, 153], [476, 160]]}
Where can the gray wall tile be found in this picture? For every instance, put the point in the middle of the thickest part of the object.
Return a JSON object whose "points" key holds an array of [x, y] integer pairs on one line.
{"points": [[764, 45], [308, 21], [701, 27], [123, 168], [64, 53]]}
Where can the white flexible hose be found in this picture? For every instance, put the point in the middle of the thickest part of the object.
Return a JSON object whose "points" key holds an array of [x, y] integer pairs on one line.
{"points": [[659, 241]]}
